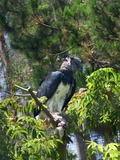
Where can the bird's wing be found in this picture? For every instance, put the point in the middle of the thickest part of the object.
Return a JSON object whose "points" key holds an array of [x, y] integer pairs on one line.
{"points": [[49, 84], [72, 91], [48, 87]]}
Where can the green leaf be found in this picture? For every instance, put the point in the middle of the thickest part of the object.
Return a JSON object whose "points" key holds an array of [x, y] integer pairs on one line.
{"points": [[114, 153]]}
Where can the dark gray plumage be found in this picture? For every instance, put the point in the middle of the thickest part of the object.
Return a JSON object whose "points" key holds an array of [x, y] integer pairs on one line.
{"points": [[59, 86]]}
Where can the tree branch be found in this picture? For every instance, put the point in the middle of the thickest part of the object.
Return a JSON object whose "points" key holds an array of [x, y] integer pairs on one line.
{"points": [[65, 50], [48, 26], [61, 146], [43, 24], [32, 93], [24, 89]]}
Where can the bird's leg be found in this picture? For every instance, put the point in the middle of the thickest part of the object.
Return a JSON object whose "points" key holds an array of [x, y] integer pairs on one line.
{"points": [[61, 124]]}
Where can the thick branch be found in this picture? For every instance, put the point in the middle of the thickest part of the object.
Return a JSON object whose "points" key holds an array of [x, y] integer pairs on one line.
{"points": [[32, 93]]}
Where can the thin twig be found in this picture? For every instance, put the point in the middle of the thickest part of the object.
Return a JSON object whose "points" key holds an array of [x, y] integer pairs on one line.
{"points": [[43, 24], [65, 50], [24, 89]]}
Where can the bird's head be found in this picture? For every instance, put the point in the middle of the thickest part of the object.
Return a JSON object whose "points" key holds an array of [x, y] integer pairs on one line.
{"points": [[71, 63]]}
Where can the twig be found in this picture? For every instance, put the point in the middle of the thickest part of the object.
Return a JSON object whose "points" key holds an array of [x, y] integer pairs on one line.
{"points": [[24, 89], [65, 50], [43, 24], [47, 25]]}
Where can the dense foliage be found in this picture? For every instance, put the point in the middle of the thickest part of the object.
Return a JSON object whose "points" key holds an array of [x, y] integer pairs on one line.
{"points": [[44, 29], [23, 137], [100, 103], [98, 110]]}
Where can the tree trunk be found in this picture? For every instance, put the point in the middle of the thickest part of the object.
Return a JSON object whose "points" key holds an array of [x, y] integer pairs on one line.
{"points": [[2, 50], [82, 147], [62, 150]]}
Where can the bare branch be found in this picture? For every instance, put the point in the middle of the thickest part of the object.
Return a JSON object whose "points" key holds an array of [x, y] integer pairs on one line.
{"points": [[43, 24], [65, 50], [48, 26], [24, 89]]}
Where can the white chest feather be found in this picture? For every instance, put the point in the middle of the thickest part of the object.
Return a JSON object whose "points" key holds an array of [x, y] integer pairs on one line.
{"points": [[55, 103]]}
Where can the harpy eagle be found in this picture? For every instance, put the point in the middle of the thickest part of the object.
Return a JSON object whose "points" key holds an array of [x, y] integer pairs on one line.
{"points": [[59, 86]]}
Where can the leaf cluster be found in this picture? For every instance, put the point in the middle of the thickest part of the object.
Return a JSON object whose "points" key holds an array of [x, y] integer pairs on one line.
{"points": [[23, 137], [43, 29], [109, 152], [99, 105], [97, 109]]}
